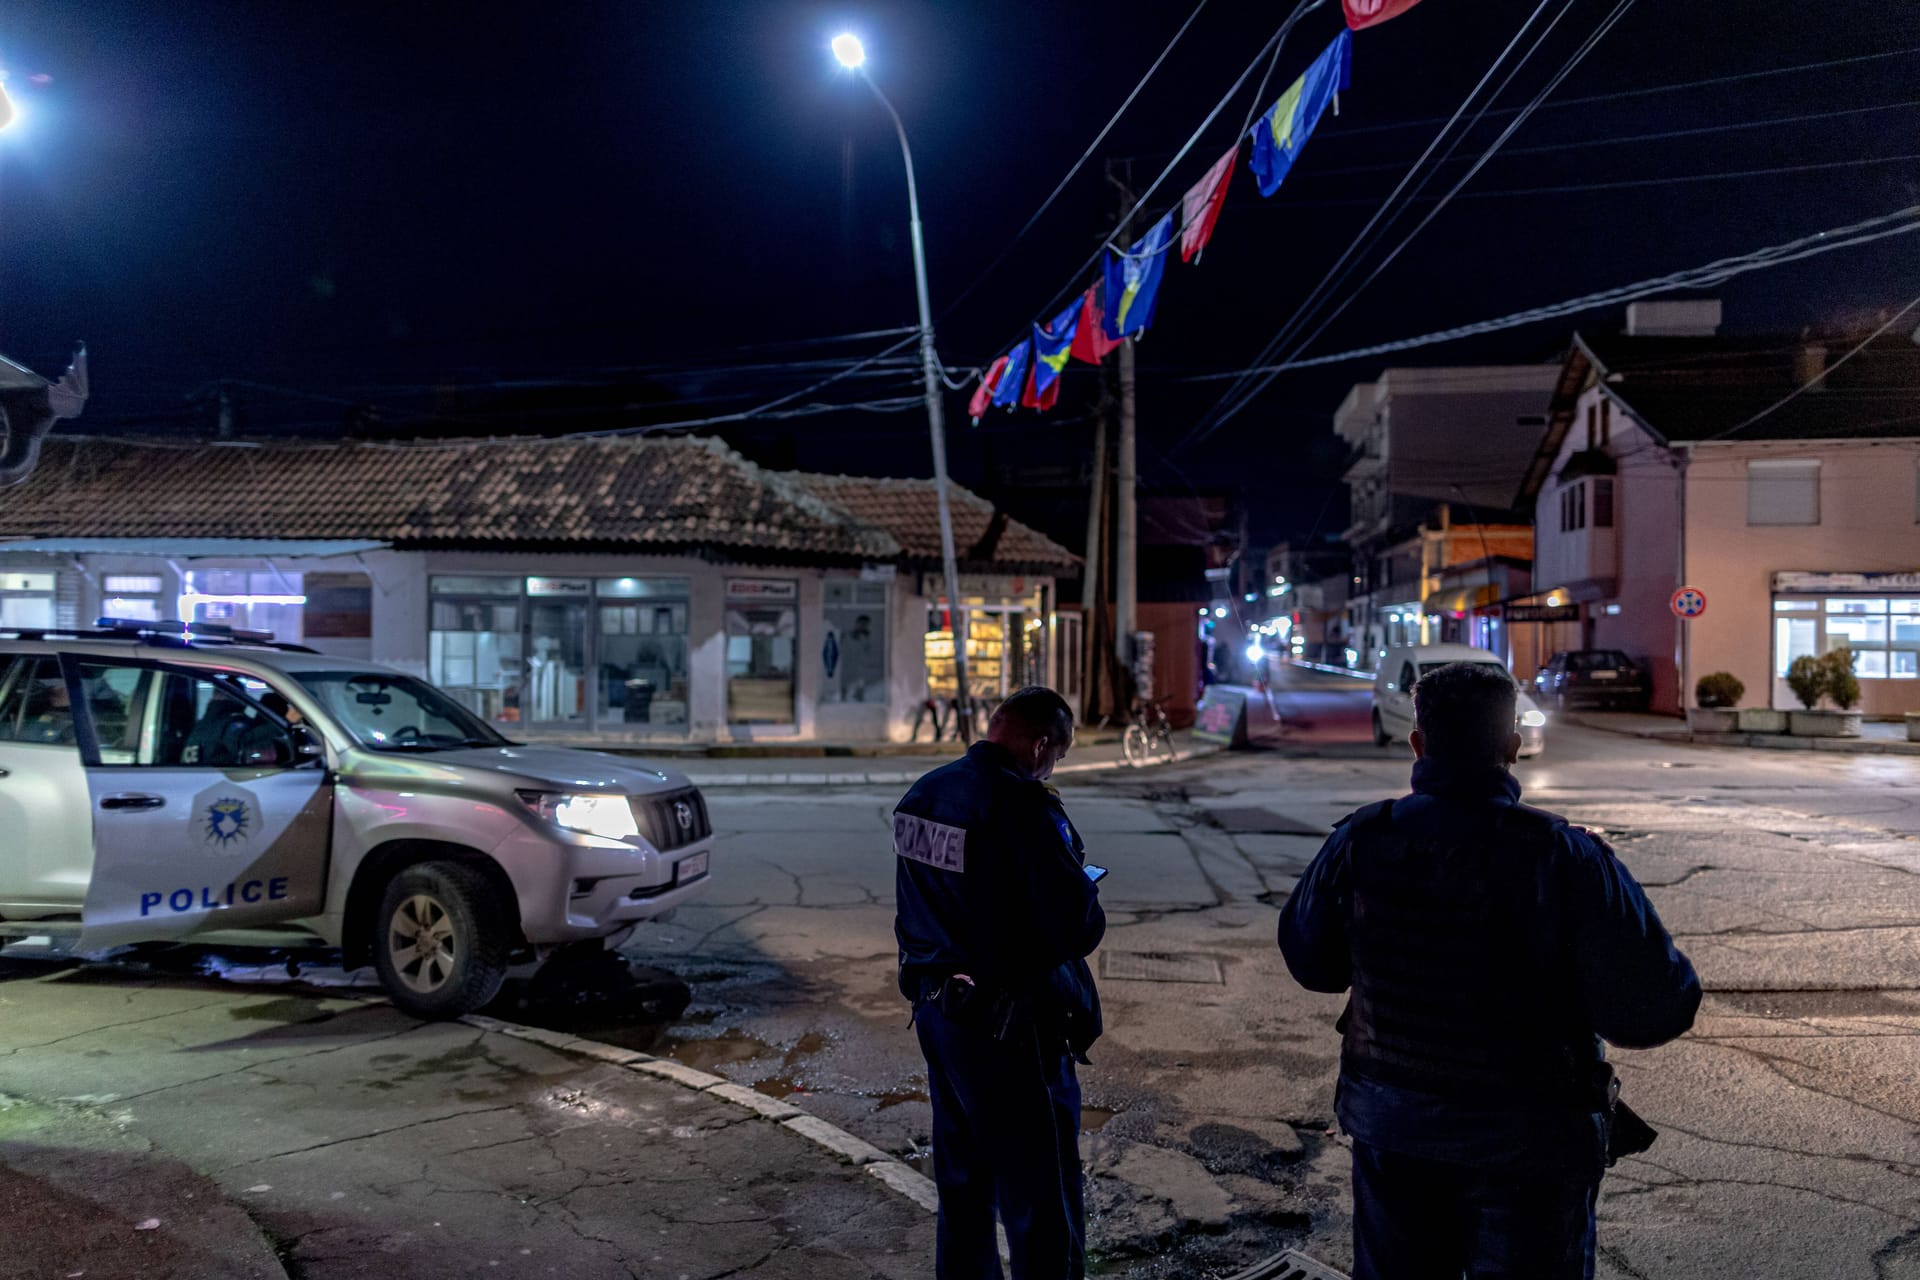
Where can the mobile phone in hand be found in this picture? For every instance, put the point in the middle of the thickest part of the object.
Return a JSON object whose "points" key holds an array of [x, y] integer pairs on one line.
{"points": [[1095, 874]]}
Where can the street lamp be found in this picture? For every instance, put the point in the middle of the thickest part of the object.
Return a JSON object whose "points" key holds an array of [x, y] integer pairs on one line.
{"points": [[8, 114], [853, 56]]}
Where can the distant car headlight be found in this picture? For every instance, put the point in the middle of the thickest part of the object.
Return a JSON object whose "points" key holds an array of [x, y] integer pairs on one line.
{"points": [[1533, 719], [1255, 653], [593, 815]]}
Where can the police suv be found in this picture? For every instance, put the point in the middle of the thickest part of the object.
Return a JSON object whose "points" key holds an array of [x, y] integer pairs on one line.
{"points": [[160, 783]]}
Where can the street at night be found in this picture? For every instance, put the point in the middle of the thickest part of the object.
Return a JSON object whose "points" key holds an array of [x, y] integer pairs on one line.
{"points": [[1790, 877]]}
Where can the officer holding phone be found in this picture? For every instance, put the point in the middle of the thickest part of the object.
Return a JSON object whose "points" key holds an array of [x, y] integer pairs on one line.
{"points": [[996, 915]]}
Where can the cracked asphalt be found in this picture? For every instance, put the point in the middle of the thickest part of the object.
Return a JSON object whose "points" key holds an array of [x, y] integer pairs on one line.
{"points": [[357, 1141]]}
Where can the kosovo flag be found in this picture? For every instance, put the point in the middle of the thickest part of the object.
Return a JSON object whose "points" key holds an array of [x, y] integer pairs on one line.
{"points": [[1133, 280], [1090, 340], [1283, 131], [1051, 346], [1013, 378]]}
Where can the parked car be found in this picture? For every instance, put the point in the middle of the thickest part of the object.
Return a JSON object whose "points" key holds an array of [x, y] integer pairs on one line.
{"points": [[1594, 677], [161, 785], [1401, 668]]}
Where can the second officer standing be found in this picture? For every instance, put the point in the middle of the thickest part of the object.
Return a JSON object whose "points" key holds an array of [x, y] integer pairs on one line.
{"points": [[996, 916]]}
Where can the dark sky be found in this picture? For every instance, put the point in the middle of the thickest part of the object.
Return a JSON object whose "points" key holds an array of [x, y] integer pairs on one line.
{"points": [[361, 201]]}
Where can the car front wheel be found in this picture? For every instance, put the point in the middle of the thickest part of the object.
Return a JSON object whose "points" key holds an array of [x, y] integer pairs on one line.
{"points": [[1380, 738], [441, 941]]}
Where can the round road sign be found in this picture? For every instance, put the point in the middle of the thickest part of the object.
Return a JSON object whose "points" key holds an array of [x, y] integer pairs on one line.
{"points": [[1689, 602]]}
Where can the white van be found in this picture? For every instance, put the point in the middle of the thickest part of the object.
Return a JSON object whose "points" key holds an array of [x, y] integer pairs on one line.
{"points": [[1402, 667]]}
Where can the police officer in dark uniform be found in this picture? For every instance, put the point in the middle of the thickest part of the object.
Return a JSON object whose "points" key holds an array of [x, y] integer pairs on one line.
{"points": [[996, 915], [1490, 948]]}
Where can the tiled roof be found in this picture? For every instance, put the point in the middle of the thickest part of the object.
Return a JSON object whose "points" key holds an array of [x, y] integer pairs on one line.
{"points": [[680, 494], [909, 511]]}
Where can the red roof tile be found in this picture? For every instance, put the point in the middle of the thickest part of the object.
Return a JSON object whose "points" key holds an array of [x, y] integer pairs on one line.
{"points": [[909, 510]]}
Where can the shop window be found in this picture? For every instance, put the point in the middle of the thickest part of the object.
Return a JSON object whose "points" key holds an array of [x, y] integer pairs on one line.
{"points": [[1785, 492], [26, 599], [473, 644], [248, 599], [763, 628], [643, 651], [853, 652], [135, 596], [557, 650], [1573, 507]]}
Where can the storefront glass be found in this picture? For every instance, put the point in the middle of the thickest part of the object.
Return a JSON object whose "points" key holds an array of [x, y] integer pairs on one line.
{"points": [[253, 600], [763, 627], [643, 651], [557, 650], [1004, 652], [1883, 633], [853, 653], [474, 644]]}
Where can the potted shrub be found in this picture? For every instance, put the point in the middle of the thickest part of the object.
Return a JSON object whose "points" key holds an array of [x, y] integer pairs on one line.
{"points": [[1716, 696], [1829, 676]]}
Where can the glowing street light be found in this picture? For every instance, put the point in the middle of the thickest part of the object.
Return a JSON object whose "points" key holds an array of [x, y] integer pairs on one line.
{"points": [[8, 115], [848, 49]]}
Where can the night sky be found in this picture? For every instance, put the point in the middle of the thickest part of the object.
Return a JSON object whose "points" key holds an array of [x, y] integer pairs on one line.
{"points": [[404, 205]]}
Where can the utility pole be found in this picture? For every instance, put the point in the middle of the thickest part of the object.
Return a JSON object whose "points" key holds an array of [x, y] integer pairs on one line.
{"points": [[1126, 558], [1092, 598]]}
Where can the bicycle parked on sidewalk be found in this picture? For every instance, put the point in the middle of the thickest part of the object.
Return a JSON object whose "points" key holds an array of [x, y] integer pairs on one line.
{"points": [[1148, 735]]}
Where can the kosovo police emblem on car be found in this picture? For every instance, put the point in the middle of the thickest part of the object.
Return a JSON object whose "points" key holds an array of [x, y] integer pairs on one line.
{"points": [[226, 820]]}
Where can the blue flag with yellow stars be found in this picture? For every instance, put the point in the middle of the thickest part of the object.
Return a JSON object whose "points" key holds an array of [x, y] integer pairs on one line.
{"points": [[1133, 280], [1052, 343], [1013, 379], [1284, 130]]}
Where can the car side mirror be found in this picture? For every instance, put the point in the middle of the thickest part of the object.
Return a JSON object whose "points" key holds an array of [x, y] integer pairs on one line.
{"points": [[308, 747]]}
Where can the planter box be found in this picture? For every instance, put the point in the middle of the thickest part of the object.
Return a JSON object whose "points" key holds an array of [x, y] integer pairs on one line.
{"points": [[1762, 720], [1824, 724], [1913, 726], [1713, 719]]}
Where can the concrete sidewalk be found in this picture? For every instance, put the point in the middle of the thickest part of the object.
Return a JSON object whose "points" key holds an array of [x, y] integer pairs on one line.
{"points": [[1876, 737], [177, 1128], [1098, 757]]}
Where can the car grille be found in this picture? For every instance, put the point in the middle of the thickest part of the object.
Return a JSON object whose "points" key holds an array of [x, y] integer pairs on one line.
{"points": [[659, 818]]}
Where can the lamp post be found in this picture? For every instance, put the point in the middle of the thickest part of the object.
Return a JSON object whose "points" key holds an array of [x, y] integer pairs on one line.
{"points": [[853, 56]]}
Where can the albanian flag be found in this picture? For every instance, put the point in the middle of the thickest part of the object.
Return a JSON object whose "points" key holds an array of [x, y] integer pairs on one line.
{"points": [[983, 394], [1284, 130], [1200, 207], [1371, 13], [1090, 340], [1052, 344]]}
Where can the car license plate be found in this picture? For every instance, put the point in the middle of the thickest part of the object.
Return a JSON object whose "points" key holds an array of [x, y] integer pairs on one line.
{"points": [[1606, 675], [690, 868]]}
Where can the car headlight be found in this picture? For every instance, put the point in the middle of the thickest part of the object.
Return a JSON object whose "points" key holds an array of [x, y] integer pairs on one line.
{"points": [[594, 815], [1533, 719]]}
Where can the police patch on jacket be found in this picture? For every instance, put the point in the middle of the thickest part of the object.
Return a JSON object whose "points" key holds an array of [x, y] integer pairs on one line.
{"points": [[933, 843]]}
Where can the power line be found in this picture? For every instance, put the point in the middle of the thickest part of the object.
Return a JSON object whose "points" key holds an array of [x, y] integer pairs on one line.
{"points": [[1619, 94], [1579, 55], [1555, 148], [1053, 195], [1286, 330], [1900, 222]]}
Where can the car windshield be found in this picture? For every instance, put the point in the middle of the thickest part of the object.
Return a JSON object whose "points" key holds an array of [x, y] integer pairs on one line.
{"points": [[1597, 660], [387, 712]]}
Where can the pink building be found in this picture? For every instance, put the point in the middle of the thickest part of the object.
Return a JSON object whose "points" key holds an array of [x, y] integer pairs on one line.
{"points": [[1781, 482]]}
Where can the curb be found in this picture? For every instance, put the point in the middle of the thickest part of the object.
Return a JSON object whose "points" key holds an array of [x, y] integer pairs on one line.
{"points": [[902, 777], [858, 1152], [1757, 741]]}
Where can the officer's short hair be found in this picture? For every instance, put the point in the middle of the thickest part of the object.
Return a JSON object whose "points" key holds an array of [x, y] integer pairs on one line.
{"points": [[1039, 711], [1465, 711]]}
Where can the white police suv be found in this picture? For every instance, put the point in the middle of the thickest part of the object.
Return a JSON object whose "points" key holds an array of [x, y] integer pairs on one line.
{"points": [[159, 784]]}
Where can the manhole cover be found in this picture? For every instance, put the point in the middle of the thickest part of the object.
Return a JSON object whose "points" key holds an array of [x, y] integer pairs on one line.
{"points": [[1264, 822], [1291, 1265], [1151, 966]]}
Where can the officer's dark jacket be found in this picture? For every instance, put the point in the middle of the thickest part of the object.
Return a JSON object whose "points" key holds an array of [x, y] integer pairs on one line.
{"points": [[1489, 947], [989, 883]]}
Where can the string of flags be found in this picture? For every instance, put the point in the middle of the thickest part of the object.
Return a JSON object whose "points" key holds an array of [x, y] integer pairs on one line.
{"points": [[1120, 302]]}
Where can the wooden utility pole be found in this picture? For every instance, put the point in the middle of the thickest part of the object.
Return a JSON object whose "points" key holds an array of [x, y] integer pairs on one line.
{"points": [[1126, 557], [1092, 597]]}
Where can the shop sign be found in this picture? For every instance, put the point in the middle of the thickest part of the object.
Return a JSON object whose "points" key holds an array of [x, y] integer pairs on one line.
{"points": [[559, 586], [1543, 613], [762, 589], [987, 586], [1222, 717], [1862, 582]]}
